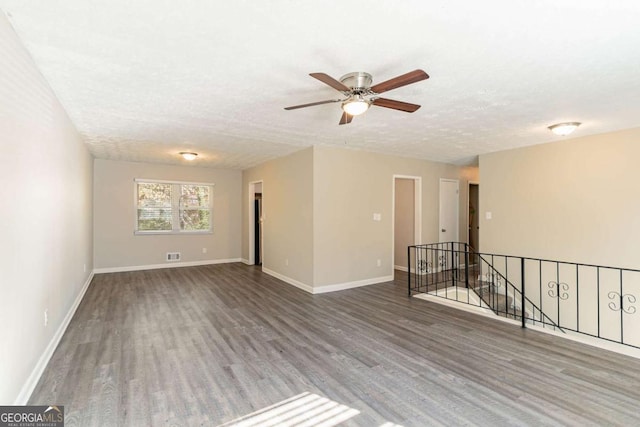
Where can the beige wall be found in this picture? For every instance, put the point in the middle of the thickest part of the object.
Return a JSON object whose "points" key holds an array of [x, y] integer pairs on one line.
{"points": [[574, 200], [404, 220], [115, 244], [287, 203], [46, 244], [349, 187]]}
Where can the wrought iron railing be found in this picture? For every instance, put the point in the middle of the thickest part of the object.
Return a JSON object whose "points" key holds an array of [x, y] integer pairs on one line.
{"points": [[593, 300]]}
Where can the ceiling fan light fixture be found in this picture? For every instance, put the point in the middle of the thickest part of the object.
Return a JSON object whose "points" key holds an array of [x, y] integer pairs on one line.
{"points": [[564, 129], [355, 106], [188, 155]]}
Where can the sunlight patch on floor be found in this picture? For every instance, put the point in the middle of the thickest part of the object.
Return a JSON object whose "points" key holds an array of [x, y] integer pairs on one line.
{"points": [[303, 410]]}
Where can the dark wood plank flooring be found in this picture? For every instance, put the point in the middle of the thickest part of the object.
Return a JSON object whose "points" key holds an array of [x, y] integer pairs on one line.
{"points": [[208, 345]]}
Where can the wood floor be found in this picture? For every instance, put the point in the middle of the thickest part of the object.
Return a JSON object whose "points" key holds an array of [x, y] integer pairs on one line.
{"points": [[208, 345]]}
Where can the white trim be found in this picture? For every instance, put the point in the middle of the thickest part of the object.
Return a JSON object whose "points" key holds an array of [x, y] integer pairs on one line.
{"points": [[327, 288], [569, 335], [167, 265], [175, 208], [401, 268], [350, 285], [164, 181], [170, 232], [32, 381], [465, 307], [588, 340], [245, 261], [288, 280]]}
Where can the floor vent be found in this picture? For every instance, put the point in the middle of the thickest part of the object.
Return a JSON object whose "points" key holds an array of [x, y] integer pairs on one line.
{"points": [[173, 256]]}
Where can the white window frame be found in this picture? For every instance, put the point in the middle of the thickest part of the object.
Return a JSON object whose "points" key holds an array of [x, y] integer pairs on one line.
{"points": [[175, 207]]}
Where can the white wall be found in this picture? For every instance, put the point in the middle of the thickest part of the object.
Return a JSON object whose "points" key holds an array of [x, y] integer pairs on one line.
{"points": [[404, 220], [45, 220], [116, 247], [349, 187], [573, 200], [318, 205], [287, 210]]}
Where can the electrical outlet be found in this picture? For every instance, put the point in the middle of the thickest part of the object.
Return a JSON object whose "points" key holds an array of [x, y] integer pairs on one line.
{"points": [[85, 268], [204, 250], [378, 263], [46, 317], [286, 261]]}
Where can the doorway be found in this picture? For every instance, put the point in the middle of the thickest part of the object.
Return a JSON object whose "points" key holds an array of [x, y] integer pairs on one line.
{"points": [[257, 226], [449, 222], [473, 219], [407, 217], [256, 221]]}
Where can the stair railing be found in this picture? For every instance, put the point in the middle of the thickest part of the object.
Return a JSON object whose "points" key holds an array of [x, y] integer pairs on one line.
{"points": [[592, 300]]}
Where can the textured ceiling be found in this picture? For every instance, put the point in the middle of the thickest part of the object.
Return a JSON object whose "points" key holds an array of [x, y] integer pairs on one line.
{"points": [[144, 80]]}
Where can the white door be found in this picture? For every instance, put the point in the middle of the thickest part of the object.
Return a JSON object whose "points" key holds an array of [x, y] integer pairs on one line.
{"points": [[449, 210]]}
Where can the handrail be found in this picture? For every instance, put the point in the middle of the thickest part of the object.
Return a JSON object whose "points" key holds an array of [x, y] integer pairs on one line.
{"points": [[594, 300], [517, 290], [634, 270]]}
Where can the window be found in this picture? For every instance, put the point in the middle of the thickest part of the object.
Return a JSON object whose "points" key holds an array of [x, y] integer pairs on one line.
{"points": [[173, 207]]}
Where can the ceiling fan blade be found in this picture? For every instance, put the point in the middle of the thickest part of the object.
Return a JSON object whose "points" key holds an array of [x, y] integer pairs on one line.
{"points": [[328, 80], [396, 105], [313, 103], [403, 80], [345, 119]]}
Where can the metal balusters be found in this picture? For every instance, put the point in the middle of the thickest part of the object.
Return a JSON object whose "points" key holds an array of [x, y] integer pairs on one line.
{"points": [[434, 268], [577, 298], [409, 270], [522, 297], [540, 280], [598, 298], [621, 311], [466, 265]]}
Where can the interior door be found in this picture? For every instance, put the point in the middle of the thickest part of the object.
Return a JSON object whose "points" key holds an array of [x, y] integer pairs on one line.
{"points": [[449, 201], [449, 205]]}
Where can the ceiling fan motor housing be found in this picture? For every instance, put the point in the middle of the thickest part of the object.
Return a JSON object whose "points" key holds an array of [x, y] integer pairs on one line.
{"points": [[357, 80]]}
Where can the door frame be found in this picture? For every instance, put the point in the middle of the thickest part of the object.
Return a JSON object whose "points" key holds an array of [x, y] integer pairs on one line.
{"points": [[417, 215], [252, 217]]}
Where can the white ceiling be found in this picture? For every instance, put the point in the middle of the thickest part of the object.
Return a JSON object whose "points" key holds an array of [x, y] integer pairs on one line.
{"points": [[146, 79]]}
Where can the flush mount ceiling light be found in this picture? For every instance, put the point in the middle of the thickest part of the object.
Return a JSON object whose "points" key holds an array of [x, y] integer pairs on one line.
{"points": [[564, 129], [188, 155], [355, 105]]}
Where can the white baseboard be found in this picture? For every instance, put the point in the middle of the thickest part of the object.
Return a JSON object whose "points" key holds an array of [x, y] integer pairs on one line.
{"points": [[289, 280], [245, 261], [165, 265], [569, 335], [483, 311], [401, 268], [32, 381], [592, 341], [327, 288], [350, 285]]}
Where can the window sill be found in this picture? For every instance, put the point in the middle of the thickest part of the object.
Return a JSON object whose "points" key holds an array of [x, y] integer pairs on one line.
{"points": [[171, 233]]}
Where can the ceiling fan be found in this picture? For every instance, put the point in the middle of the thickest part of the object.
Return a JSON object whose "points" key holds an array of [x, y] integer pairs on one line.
{"points": [[360, 95]]}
